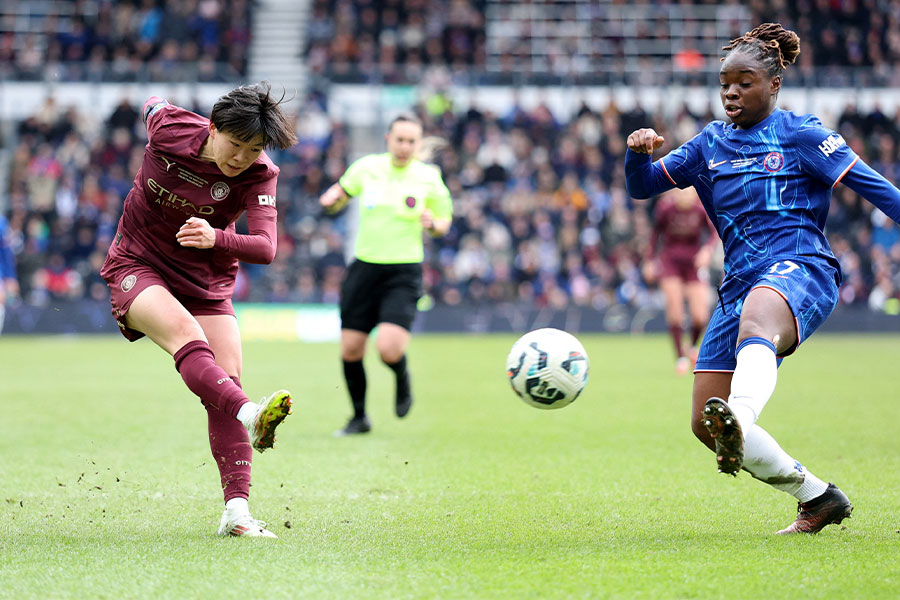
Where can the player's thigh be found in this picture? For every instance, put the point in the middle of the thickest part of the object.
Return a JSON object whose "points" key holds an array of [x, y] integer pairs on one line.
{"points": [[808, 289], [766, 314], [698, 299], [720, 340], [360, 297], [353, 344], [391, 342], [401, 292], [158, 314], [673, 292], [225, 340]]}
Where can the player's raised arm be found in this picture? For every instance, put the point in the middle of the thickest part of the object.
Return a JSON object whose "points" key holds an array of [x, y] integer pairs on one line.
{"points": [[645, 141], [643, 178]]}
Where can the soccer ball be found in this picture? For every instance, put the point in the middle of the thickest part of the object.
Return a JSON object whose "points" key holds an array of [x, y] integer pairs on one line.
{"points": [[547, 368]]}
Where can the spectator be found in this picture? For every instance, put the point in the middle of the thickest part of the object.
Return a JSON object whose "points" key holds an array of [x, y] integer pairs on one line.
{"points": [[531, 207]]}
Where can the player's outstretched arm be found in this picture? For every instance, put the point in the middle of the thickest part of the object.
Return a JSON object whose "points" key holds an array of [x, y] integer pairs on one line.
{"points": [[872, 185], [334, 199]]}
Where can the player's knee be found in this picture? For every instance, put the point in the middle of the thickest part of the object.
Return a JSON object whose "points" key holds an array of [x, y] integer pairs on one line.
{"points": [[186, 330], [353, 353], [390, 354]]}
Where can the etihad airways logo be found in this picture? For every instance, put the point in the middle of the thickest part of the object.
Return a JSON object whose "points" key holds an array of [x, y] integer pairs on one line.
{"points": [[167, 198], [831, 143]]}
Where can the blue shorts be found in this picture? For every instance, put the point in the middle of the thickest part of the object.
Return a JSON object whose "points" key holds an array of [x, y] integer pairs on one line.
{"points": [[809, 286]]}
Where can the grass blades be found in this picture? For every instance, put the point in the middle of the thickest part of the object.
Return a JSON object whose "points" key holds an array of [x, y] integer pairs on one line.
{"points": [[108, 489]]}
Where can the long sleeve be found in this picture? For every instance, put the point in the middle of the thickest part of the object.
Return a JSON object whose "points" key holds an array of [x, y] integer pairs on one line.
{"points": [[259, 245], [872, 186], [644, 178]]}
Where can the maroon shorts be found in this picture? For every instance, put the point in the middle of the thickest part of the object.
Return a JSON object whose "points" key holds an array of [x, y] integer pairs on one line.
{"points": [[680, 265], [126, 280]]}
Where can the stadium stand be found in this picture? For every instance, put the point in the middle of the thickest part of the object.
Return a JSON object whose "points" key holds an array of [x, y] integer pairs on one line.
{"points": [[542, 216], [95, 40]]}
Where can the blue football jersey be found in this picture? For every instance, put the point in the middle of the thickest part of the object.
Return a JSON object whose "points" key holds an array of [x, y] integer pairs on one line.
{"points": [[7, 258], [766, 189]]}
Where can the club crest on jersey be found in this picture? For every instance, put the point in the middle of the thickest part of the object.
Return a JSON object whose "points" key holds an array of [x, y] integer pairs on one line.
{"points": [[773, 162], [410, 202], [219, 191], [128, 283]]}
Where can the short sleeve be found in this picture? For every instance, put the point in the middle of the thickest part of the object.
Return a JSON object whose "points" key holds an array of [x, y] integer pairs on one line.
{"points": [[438, 199], [352, 179], [684, 164], [823, 153]]}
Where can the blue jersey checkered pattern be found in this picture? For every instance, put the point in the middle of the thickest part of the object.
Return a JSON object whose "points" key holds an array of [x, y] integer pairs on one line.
{"points": [[766, 189]]}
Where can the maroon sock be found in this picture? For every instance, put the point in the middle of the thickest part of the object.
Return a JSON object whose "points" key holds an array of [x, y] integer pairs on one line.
{"points": [[231, 450], [676, 332], [197, 365]]}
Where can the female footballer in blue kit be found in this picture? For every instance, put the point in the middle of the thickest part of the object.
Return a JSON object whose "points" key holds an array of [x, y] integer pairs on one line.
{"points": [[765, 179]]}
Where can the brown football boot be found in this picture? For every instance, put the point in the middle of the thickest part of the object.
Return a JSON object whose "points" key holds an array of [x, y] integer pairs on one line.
{"points": [[833, 506]]}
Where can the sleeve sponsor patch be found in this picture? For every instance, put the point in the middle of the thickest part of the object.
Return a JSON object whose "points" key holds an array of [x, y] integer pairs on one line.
{"points": [[830, 144], [266, 199], [153, 108]]}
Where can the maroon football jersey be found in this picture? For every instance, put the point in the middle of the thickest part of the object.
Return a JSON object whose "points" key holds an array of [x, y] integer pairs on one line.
{"points": [[174, 184], [681, 230]]}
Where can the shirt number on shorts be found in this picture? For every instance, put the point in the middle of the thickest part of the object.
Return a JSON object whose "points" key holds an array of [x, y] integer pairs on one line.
{"points": [[789, 266]]}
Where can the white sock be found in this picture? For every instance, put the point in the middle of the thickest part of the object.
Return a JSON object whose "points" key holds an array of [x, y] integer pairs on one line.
{"points": [[753, 381], [2, 311], [238, 506], [246, 413], [766, 461]]}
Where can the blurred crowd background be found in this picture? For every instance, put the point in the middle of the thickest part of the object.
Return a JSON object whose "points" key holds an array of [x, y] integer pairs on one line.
{"points": [[541, 212]]}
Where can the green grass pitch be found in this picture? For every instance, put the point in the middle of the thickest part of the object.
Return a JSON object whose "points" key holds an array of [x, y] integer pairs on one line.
{"points": [[108, 490]]}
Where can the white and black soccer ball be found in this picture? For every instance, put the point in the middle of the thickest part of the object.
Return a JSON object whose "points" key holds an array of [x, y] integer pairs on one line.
{"points": [[547, 368]]}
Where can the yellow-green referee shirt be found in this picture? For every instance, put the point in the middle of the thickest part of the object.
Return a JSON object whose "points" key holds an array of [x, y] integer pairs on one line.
{"points": [[391, 202]]}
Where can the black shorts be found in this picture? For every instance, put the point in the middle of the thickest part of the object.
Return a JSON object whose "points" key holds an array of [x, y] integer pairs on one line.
{"points": [[375, 293]]}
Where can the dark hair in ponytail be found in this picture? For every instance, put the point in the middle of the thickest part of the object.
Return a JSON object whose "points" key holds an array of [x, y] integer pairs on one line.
{"points": [[770, 43]]}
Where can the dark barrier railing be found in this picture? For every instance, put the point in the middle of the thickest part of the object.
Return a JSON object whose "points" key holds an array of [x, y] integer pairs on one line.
{"points": [[320, 322]]}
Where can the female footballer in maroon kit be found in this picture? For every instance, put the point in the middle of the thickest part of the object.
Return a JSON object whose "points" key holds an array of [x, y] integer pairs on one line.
{"points": [[171, 267], [681, 224]]}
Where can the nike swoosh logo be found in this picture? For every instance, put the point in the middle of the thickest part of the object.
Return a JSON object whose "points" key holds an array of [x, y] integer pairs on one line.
{"points": [[713, 165]]}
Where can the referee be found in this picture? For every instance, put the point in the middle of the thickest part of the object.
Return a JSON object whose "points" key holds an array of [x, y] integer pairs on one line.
{"points": [[399, 196]]}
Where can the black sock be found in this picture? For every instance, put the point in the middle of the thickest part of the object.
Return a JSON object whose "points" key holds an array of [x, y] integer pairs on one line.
{"points": [[355, 375], [402, 375]]}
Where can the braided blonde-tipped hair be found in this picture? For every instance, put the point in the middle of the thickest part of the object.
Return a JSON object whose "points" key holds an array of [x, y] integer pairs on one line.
{"points": [[771, 44]]}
